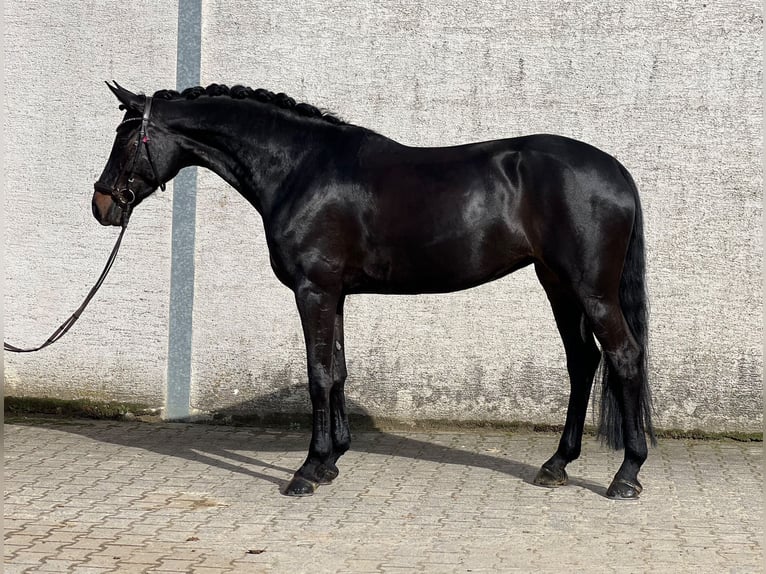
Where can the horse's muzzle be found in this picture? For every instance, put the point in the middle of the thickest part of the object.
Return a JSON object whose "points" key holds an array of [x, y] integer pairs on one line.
{"points": [[105, 209]]}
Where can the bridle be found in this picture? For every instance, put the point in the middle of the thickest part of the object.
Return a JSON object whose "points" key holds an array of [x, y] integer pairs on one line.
{"points": [[126, 198]]}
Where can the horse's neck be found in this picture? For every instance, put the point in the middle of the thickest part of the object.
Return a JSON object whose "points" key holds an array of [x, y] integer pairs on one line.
{"points": [[255, 160]]}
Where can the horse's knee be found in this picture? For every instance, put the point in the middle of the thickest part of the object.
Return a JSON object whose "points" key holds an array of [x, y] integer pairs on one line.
{"points": [[320, 385]]}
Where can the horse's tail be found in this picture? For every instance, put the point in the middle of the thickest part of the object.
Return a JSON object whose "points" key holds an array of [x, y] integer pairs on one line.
{"points": [[635, 308]]}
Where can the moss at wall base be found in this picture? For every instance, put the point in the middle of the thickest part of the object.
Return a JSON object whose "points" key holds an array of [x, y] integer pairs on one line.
{"points": [[112, 410], [82, 408]]}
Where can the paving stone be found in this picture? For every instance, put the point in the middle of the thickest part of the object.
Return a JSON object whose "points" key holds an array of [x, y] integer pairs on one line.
{"points": [[165, 498]]}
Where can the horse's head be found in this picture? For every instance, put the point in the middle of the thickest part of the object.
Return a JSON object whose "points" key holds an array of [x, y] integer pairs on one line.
{"points": [[142, 159]]}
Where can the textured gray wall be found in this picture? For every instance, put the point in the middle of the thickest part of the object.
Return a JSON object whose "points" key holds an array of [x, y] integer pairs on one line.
{"points": [[671, 89], [60, 121]]}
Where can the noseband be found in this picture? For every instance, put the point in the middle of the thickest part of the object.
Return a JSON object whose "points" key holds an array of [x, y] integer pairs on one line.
{"points": [[124, 196]]}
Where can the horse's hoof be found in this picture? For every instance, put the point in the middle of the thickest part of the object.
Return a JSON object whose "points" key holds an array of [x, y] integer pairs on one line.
{"points": [[300, 486], [622, 489], [327, 474], [550, 478]]}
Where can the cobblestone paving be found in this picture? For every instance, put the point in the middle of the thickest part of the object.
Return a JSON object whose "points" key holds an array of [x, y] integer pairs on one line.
{"points": [[129, 497]]}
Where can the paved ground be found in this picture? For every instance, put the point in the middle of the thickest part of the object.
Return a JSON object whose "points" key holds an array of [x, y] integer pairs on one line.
{"points": [[92, 497]]}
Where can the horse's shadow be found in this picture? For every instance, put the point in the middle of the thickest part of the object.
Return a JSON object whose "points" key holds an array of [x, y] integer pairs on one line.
{"points": [[196, 442]]}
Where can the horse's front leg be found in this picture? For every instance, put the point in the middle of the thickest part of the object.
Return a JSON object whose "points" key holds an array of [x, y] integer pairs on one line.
{"points": [[341, 434], [317, 309]]}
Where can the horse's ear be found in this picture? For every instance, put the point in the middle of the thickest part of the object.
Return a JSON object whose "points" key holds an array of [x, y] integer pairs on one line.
{"points": [[128, 99]]}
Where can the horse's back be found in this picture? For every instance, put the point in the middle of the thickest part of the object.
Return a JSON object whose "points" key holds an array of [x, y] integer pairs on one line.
{"points": [[519, 193], [415, 220]]}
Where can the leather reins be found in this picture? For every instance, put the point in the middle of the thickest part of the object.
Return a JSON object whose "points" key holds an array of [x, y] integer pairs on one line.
{"points": [[126, 198]]}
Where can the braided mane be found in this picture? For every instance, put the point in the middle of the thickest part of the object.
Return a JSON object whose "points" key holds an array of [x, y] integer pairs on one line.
{"points": [[243, 92]]}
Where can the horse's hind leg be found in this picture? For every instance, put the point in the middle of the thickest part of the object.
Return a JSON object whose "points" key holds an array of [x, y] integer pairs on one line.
{"points": [[625, 373], [582, 361], [341, 434]]}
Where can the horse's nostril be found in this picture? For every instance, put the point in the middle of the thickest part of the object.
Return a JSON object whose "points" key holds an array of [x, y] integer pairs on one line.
{"points": [[95, 209]]}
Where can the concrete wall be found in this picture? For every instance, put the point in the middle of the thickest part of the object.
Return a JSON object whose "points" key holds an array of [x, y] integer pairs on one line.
{"points": [[59, 129], [671, 89]]}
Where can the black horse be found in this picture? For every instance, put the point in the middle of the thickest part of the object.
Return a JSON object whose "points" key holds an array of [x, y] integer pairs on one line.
{"points": [[346, 210]]}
